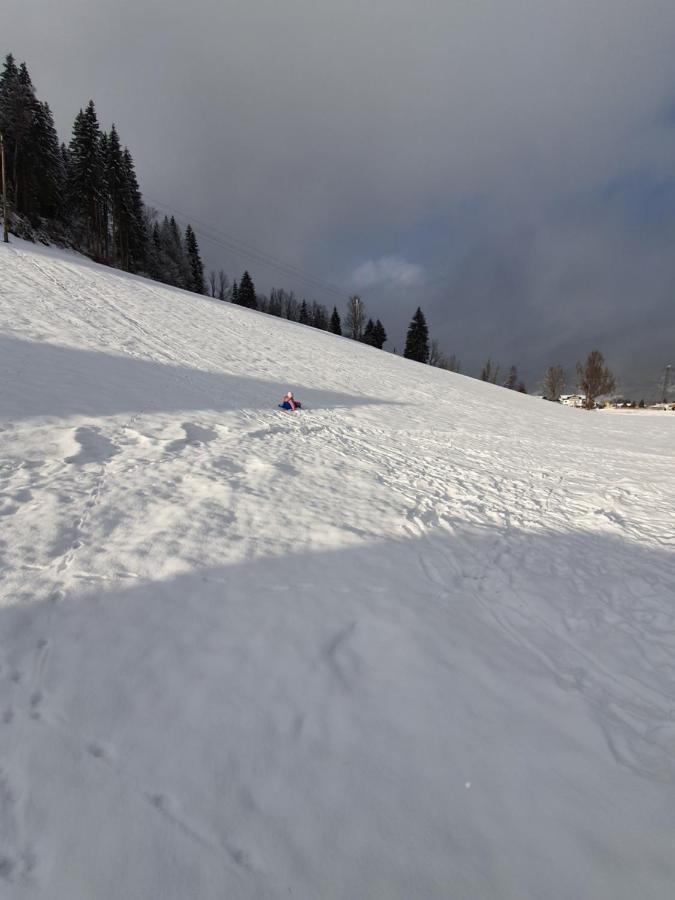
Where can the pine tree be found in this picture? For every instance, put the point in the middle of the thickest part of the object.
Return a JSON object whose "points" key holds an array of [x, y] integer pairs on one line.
{"points": [[105, 201], [173, 260], [379, 335], [86, 184], [47, 165], [303, 316], [235, 292], [17, 111], [335, 326], [196, 265], [153, 261], [181, 257], [417, 340], [319, 316], [65, 168], [368, 336], [116, 188], [246, 294], [133, 219]]}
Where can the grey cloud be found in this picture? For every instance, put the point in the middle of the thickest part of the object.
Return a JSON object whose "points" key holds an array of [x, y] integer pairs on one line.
{"points": [[297, 125]]}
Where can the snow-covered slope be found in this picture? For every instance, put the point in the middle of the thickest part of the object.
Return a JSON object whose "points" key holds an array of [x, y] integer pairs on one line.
{"points": [[417, 641]]}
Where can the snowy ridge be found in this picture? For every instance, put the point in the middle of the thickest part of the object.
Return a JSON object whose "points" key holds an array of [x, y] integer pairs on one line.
{"points": [[415, 641]]}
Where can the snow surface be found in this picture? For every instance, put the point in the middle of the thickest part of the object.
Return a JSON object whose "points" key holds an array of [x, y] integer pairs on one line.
{"points": [[417, 641]]}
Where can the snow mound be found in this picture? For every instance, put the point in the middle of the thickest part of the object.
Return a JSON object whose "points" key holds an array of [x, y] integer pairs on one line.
{"points": [[416, 641]]}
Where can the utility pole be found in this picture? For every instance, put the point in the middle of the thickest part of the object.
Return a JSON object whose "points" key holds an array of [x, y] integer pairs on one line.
{"points": [[666, 384], [5, 223]]}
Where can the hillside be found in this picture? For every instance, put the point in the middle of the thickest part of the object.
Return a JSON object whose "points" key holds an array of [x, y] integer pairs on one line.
{"points": [[414, 641]]}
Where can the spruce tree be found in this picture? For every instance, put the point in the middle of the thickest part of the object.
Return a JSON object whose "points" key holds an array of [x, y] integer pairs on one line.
{"points": [[105, 202], [171, 253], [196, 265], [368, 336], [379, 335], [246, 294], [86, 184], [133, 219], [235, 293], [417, 340], [335, 326], [17, 111], [319, 316], [153, 261], [47, 166], [174, 258], [303, 316], [116, 188]]}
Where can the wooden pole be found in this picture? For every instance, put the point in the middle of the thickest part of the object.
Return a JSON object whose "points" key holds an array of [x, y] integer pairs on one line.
{"points": [[5, 223]]}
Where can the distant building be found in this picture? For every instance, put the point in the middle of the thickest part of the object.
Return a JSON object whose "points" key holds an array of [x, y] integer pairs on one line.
{"points": [[576, 400], [667, 407]]}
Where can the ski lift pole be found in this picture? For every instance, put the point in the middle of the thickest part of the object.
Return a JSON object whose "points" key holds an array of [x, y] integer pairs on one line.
{"points": [[5, 224], [666, 384]]}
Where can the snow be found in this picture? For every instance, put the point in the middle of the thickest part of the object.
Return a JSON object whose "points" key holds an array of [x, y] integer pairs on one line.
{"points": [[415, 641]]}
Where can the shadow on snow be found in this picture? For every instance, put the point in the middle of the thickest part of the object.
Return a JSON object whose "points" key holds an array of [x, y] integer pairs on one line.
{"points": [[49, 380]]}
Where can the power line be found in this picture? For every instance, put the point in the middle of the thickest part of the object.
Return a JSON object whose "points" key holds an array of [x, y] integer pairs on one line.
{"points": [[234, 245]]}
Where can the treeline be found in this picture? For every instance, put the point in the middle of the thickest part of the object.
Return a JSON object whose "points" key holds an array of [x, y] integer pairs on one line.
{"points": [[85, 195], [286, 305]]}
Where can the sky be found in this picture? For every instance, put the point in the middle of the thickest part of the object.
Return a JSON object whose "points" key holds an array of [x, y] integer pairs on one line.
{"points": [[508, 165]]}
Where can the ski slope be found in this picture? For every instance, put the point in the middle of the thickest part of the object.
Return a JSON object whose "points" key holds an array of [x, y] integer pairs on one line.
{"points": [[417, 641]]}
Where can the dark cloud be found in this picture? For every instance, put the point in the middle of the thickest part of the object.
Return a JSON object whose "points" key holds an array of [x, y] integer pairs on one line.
{"points": [[519, 155]]}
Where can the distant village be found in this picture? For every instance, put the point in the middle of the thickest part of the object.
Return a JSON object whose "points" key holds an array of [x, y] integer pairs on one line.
{"points": [[578, 401]]}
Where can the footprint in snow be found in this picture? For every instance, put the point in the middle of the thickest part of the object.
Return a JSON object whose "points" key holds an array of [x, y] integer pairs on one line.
{"points": [[94, 447], [194, 435]]}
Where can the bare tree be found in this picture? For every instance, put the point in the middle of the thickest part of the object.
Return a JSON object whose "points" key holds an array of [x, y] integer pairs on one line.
{"points": [[512, 379], [436, 357], [490, 372], [354, 319], [212, 282], [595, 379], [452, 364], [291, 306], [554, 382], [223, 285]]}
